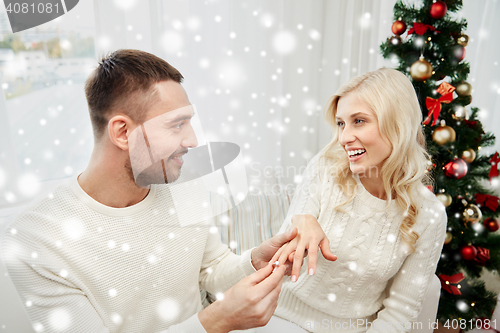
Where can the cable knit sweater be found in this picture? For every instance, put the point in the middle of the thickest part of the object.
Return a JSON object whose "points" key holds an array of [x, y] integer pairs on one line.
{"points": [[375, 285], [80, 266]]}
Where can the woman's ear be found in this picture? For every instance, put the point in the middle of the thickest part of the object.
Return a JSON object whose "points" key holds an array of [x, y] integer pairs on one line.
{"points": [[119, 128]]}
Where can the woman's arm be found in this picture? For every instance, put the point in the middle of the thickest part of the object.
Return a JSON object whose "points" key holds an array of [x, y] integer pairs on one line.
{"points": [[410, 284], [302, 214]]}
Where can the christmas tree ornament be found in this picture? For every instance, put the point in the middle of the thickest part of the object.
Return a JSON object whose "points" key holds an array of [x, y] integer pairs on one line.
{"points": [[434, 105], [472, 213], [468, 252], [448, 238], [398, 27], [444, 134], [469, 155], [421, 70], [491, 224], [463, 40], [445, 198], [495, 159], [464, 89], [420, 29], [395, 40], [458, 53], [460, 113], [487, 200], [450, 283], [482, 256], [438, 10], [456, 168]]}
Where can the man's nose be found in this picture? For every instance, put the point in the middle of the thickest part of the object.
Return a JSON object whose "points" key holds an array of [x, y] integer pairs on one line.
{"points": [[189, 140]]}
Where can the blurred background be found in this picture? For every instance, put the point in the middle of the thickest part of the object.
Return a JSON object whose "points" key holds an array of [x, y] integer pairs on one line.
{"points": [[260, 73]]}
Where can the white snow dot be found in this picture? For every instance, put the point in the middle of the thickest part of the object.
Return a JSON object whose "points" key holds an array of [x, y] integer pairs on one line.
{"points": [[332, 297], [284, 42], [171, 211], [232, 35], [43, 122], [125, 247], [38, 327], [63, 273], [305, 89], [462, 306], [27, 161], [21, 131], [29, 303], [213, 230], [267, 20], [233, 244], [300, 26], [314, 34], [112, 293], [263, 53], [300, 70], [352, 266], [152, 259], [68, 170], [219, 296], [116, 318], [57, 142], [171, 235], [172, 41], [111, 244], [197, 38], [168, 309], [391, 238], [60, 319], [34, 255], [218, 18]]}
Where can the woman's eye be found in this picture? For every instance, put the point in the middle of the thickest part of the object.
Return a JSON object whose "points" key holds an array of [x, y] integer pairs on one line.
{"points": [[340, 123], [357, 121]]}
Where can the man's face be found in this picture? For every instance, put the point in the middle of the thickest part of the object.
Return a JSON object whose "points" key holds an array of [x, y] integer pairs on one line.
{"points": [[157, 145]]}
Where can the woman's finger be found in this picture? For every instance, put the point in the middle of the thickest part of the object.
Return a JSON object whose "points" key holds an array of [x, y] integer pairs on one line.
{"points": [[325, 249]]}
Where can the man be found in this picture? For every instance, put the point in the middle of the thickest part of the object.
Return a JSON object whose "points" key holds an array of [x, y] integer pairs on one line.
{"points": [[103, 254]]}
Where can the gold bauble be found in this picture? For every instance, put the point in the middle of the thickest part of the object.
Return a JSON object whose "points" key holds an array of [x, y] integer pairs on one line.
{"points": [[460, 113], [469, 155], [448, 237], [444, 134], [445, 198], [421, 70], [472, 213], [464, 89], [463, 40]]}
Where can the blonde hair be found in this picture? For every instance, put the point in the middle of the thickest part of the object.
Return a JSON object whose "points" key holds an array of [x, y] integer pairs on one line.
{"points": [[392, 98]]}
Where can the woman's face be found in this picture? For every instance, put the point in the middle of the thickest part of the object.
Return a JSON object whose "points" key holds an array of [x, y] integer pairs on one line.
{"points": [[360, 137]]}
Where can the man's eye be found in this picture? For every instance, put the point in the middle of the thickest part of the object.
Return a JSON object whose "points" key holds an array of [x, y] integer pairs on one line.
{"points": [[178, 126]]}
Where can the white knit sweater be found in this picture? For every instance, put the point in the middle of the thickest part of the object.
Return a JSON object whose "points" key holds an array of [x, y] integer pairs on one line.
{"points": [[374, 279], [80, 266]]}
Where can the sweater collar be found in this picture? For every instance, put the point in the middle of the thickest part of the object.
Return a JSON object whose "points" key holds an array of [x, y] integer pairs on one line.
{"points": [[370, 199]]}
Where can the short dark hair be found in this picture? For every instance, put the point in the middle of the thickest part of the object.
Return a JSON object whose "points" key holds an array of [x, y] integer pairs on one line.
{"points": [[124, 81]]}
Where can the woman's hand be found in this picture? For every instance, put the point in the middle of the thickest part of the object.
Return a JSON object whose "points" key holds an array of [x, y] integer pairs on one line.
{"points": [[310, 237]]}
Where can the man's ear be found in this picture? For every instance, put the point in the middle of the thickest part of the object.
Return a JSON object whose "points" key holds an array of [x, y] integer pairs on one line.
{"points": [[119, 128]]}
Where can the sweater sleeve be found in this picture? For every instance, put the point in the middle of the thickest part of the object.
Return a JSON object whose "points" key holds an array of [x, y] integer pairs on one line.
{"points": [[307, 197], [220, 268], [410, 284]]}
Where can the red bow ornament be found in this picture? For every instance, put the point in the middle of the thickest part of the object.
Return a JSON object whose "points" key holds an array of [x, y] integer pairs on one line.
{"points": [[434, 105], [487, 200], [483, 255], [420, 28], [449, 283], [494, 166]]}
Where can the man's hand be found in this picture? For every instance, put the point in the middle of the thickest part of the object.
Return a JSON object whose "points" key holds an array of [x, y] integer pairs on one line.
{"points": [[249, 303], [310, 237], [262, 254]]}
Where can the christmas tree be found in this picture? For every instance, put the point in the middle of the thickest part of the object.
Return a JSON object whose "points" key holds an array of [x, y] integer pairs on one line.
{"points": [[430, 48]]}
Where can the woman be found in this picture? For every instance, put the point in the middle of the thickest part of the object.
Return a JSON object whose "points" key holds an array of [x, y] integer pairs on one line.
{"points": [[366, 190]]}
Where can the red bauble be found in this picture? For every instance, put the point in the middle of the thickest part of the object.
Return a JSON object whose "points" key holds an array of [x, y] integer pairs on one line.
{"points": [[398, 27], [459, 52], [483, 255], [438, 9], [456, 168], [491, 224], [468, 252]]}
